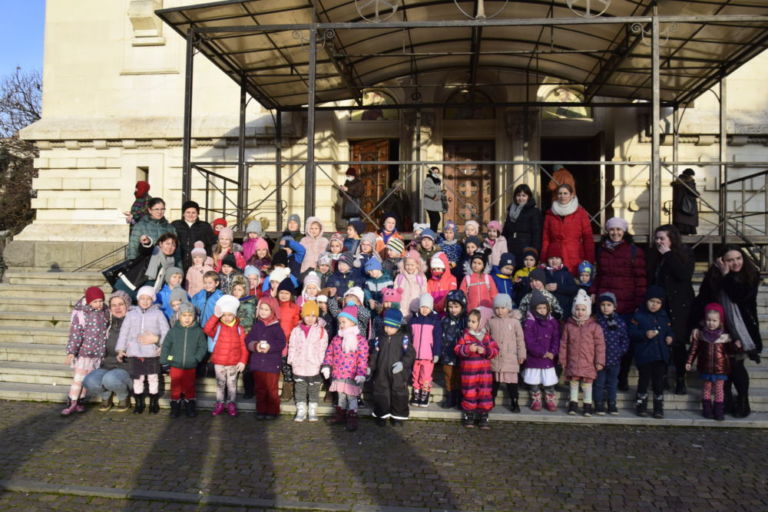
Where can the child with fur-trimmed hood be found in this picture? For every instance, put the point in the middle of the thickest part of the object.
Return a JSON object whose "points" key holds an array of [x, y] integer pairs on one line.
{"points": [[412, 281], [314, 242]]}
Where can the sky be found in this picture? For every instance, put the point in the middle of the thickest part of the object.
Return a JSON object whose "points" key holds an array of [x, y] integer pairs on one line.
{"points": [[21, 35]]}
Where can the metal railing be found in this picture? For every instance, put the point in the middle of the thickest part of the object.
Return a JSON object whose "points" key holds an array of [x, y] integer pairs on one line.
{"points": [[105, 260]]}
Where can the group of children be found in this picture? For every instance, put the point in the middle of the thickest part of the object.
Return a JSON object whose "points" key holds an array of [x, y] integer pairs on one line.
{"points": [[371, 313]]}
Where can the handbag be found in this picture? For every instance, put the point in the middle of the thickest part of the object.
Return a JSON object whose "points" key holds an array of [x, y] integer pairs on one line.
{"points": [[444, 200], [112, 274], [688, 205]]}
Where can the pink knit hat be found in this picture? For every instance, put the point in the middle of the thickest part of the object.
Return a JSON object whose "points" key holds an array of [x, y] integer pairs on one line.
{"points": [[227, 233], [350, 313], [496, 225], [199, 250], [391, 294], [261, 244]]}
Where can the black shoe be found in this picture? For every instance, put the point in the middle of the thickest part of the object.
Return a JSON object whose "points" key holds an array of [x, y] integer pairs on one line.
{"points": [[424, 402], [744, 408], [482, 421], [514, 406], [600, 409], [658, 407], [381, 422], [468, 419], [154, 403], [588, 410], [573, 408], [140, 404], [175, 408], [680, 388], [190, 408], [641, 406], [612, 410], [397, 423]]}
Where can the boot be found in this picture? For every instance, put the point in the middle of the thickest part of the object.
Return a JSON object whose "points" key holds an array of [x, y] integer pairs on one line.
{"points": [[456, 398], [680, 388], [301, 412], [706, 408], [482, 421], [123, 405], [190, 407], [641, 406], [312, 412], [351, 421], [106, 404], [589, 409], [415, 398], [424, 402], [514, 405], [468, 419], [141, 401], [744, 409], [175, 408], [612, 409], [154, 403], [80, 405], [218, 409], [232, 409], [447, 402], [718, 411], [550, 402], [536, 401], [339, 416], [573, 408], [513, 397], [70, 408], [658, 407], [287, 393]]}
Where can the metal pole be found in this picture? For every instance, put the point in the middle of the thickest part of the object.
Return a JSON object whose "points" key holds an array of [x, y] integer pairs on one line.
{"points": [[279, 170], [420, 175], [242, 170], [309, 181], [723, 158], [675, 142], [186, 177], [655, 191]]}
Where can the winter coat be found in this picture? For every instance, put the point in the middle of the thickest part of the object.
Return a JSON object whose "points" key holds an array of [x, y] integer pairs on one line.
{"points": [[495, 251], [522, 284], [343, 282], [109, 361], [439, 288], [508, 334], [136, 322], [541, 336], [350, 202], [374, 287], [566, 287], [184, 347], [425, 335], [413, 286], [685, 186], [621, 271], [616, 338], [572, 234], [228, 348], [675, 275], [246, 312], [188, 235], [431, 195], [314, 246], [503, 282], [363, 316], [135, 271], [195, 278], [711, 356], [523, 232], [381, 242], [452, 328], [654, 349], [385, 351], [164, 301], [582, 348], [88, 331], [290, 316], [153, 228], [271, 361], [347, 365], [306, 350], [479, 289], [554, 306], [453, 250], [472, 361], [205, 304]]}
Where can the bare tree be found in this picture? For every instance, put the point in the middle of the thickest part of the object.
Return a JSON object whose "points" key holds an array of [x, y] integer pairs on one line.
{"points": [[19, 101]]}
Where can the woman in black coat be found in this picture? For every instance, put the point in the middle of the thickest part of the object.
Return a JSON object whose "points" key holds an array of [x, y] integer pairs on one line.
{"points": [[733, 281], [671, 265], [522, 228], [190, 229], [685, 209]]}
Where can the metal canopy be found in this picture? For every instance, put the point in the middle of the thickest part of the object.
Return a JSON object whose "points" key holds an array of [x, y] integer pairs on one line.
{"points": [[264, 44]]}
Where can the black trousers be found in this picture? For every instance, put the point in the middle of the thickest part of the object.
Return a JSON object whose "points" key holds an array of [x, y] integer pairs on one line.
{"points": [[434, 220], [739, 379], [390, 396], [653, 373]]}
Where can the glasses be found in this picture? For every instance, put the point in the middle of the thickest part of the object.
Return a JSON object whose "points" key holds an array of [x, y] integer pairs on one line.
{"points": [[157, 209]]}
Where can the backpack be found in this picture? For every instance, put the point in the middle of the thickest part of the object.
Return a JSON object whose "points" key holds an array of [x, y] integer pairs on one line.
{"points": [[212, 341]]}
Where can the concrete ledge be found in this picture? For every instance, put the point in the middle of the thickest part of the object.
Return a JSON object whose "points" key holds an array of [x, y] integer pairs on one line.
{"points": [[20, 254]]}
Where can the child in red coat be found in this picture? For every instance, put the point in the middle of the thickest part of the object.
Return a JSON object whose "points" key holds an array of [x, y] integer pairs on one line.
{"points": [[475, 349], [290, 316], [478, 286]]}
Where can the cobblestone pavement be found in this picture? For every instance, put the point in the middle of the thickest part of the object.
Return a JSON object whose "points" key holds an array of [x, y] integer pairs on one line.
{"points": [[435, 465]]}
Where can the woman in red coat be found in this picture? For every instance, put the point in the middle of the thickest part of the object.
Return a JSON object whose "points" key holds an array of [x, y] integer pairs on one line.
{"points": [[567, 228]]}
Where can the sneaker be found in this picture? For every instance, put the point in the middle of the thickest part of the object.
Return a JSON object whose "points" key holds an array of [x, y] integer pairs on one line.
{"points": [[573, 408], [218, 409], [588, 410], [232, 409], [612, 410], [600, 409]]}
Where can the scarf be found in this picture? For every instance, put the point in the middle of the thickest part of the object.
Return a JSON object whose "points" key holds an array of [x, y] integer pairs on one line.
{"points": [[349, 339], [610, 322], [515, 210], [158, 264], [564, 210], [435, 179], [385, 236], [611, 245], [733, 318], [711, 336], [479, 335]]}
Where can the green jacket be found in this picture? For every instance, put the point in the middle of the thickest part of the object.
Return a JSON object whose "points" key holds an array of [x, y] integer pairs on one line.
{"points": [[246, 313], [184, 347], [153, 228]]}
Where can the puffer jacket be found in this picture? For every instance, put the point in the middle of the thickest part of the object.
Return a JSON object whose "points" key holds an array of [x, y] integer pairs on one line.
{"points": [[229, 348], [413, 286], [314, 246], [195, 278], [621, 271], [503, 282], [572, 234], [136, 322], [88, 331], [306, 350], [347, 365], [271, 361], [480, 290], [711, 357], [290, 316], [654, 349], [184, 347], [246, 312], [452, 328], [508, 334], [343, 282], [541, 336], [616, 339], [205, 304], [582, 348], [426, 336], [439, 288]]}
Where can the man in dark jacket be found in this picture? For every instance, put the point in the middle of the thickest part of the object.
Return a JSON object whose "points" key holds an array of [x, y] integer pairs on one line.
{"points": [[190, 229], [390, 361]]}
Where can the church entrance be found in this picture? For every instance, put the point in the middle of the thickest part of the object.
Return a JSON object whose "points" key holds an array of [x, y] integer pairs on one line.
{"points": [[469, 186], [376, 178]]}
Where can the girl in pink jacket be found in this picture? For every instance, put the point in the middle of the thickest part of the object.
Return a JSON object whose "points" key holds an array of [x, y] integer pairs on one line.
{"points": [[478, 286], [306, 351], [314, 242]]}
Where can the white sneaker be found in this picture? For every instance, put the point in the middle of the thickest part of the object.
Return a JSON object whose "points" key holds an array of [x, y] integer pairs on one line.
{"points": [[301, 412], [312, 411]]}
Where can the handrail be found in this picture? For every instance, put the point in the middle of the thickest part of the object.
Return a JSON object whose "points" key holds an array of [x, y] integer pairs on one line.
{"points": [[744, 178], [101, 258]]}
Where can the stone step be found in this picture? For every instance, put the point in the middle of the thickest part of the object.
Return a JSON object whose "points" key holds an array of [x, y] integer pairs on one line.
{"points": [[60, 291], [31, 303], [83, 279], [33, 335], [32, 353], [35, 319]]}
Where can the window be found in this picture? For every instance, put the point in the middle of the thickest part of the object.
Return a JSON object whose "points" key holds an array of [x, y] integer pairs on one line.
{"points": [[563, 94], [472, 105]]}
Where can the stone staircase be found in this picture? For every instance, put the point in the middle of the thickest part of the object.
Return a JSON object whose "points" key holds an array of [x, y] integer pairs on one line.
{"points": [[34, 321]]}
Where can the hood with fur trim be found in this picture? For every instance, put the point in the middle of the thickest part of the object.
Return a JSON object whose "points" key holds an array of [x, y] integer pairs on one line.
{"points": [[309, 222]]}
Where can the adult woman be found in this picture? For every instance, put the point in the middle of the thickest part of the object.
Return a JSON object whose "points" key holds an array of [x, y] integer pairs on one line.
{"points": [[670, 265], [190, 229], [149, 267], [567, 231], [522, 228], [432, 202], [621, 271], [112, 377], [397, 203], [685, 210], [150, 227], [732, 282], [350, 202]]}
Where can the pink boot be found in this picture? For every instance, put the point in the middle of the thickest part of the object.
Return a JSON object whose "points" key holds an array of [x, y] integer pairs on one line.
{"points": [[551, 402], [536, 401], [79, 407], [218, 409], [70, 408], [232, 409]]}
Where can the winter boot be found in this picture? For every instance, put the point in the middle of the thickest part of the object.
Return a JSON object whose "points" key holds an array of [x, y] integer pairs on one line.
{"points": [[600, 408], [123, 405], [536, 401], [641, 405], [141, 403], [80, 405], [415, 398], [468, 419], [706, 408], [312, 412], [513, 397], [175, 408], [232, 409], [680, 388], [573, 408], [190, 407], [70, 408], [447, 402], [301, 412], [287, 393], [718, 411], [154, 403], [218, 409], [612, 409], [424, 402], [339, 416], [550, 402], [744, 409], [351, 421], [456, 398], [588, 410], [482, 421], [106, 404], [658, 407]]}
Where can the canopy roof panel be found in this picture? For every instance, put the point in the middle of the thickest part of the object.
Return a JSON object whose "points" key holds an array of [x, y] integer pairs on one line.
{"points": [[266, 43]]}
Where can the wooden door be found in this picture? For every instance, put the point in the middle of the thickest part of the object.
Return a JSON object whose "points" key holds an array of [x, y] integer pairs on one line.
{"points": [[469, 186], [374, 177]]}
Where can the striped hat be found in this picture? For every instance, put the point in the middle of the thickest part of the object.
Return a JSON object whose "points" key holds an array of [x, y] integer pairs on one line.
{"points": [[396, 245], [393, 318]]}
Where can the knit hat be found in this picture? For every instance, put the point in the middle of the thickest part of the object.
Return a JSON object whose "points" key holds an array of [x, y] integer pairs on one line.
{"points": [[537, 298], [714, 306], [616, 222], [581, 299], [436, 262], [689, 172], [187, 307], [178, 294], [149, 291], [495, 225], [478, 255], [428, 233], [655, 292], [396, 244], [120, 294], [229, 259], [554, 251], [472, 223], [322, 298], [312, 278], [369, 238], [457, 296], [310, 307], [324, 259], [473, 240], [530, 251], [351, 171], [607, 297], [199, 250], [142, 188], [227, 233], [418, 228], [538, 274], [350, 313], [173, 271], [502, 300], [373, 264], [507, 259], [294, 217], [391, 294], [219, 222], [228, 304], [260, 244], [358, 226], [186, 205], [250, 270], [254, 227], [336, 237], [347, 258], [449, 226], [357, 292], [280, 258], [279, 274], [93, 293], [586, 266], [286, 285], [426, 301], [393, 318]]}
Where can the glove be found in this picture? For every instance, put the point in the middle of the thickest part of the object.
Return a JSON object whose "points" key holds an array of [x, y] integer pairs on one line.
{"points": [[435, 359], [397, 367], [326, 373], [359, 380]]}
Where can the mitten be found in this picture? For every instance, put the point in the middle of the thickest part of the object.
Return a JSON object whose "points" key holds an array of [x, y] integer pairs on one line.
{"points": [[326, 371], [435, 359], [359, 380], [397, 367]]}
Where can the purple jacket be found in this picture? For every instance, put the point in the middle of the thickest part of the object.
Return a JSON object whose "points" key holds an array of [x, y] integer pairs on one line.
{"points": [[541, 336], [272, 334], [138, 321], [88, 331], [426, 335]]}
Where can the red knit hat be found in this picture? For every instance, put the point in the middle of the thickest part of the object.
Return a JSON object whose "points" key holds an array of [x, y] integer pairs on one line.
{"points": [[351, 171], [714, 306], [93, 293], [219, 222], [142, 188]]}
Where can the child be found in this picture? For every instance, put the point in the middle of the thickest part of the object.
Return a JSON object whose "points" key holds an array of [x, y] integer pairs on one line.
{"points": [[346, 360], [311, 288], [542, 343], [502, 274], [260, 257], [354, 297], [522, 283], [450, 246], [205, 300], [266, 342], [336, 247], [651, 334], [586, 275], [355, 229], [226, 343], [478, 286], [507, 332], [225, 246], [252, 235], [391, 264], [87, 343], [711, 346], [184, 347], [197, 270], [295, 254], [218, 225], [537, 278], [427, 342], [173, 278], [471, 228], [253, 275], [293, 226], [324, 269], [345, 277], [495, 244], [314, 242], [377, 281], [228, 273], [178, 296], [290, 316], [365, 250], [472, 246], [140, 334], [441, 282], [560, 281], [616, 344], [139, 206], [388, 232], [412, 281], [475, 349], [306, 351], [452, 328], [246, 315], [390, 299], [390, 361], [326, 316], [582, 352], [427, 247]]}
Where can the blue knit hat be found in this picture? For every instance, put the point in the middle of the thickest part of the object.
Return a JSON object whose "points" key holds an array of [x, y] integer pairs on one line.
{"points": [[373, 264], [586, 266], [506, 259], [428, 233], [393, 318]]}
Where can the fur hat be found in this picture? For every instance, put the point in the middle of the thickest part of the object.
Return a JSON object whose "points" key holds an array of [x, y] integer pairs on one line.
{"points": [[178, 294], [393, 318], [350, 313], [254, 227], [581, 299], [228, 304], [396, 244], [427, 301], [241, 280], [373, 264], [607, 297], [357, 292], [502, 300], [391, 294], [310, 307], [507, 259], [458, 297], [616, 222], [229, 259], [199, 250], [93, 293], [280, 258], [149, 291]]}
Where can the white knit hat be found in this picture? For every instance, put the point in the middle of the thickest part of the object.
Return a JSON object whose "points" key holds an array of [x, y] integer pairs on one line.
{"points": [[228, 304], [357, 292], [146, 290], [581, 298]]}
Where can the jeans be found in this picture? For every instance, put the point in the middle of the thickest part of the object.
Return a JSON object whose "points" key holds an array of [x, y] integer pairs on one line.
{"points": [[105, 382], [607, 378]]}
